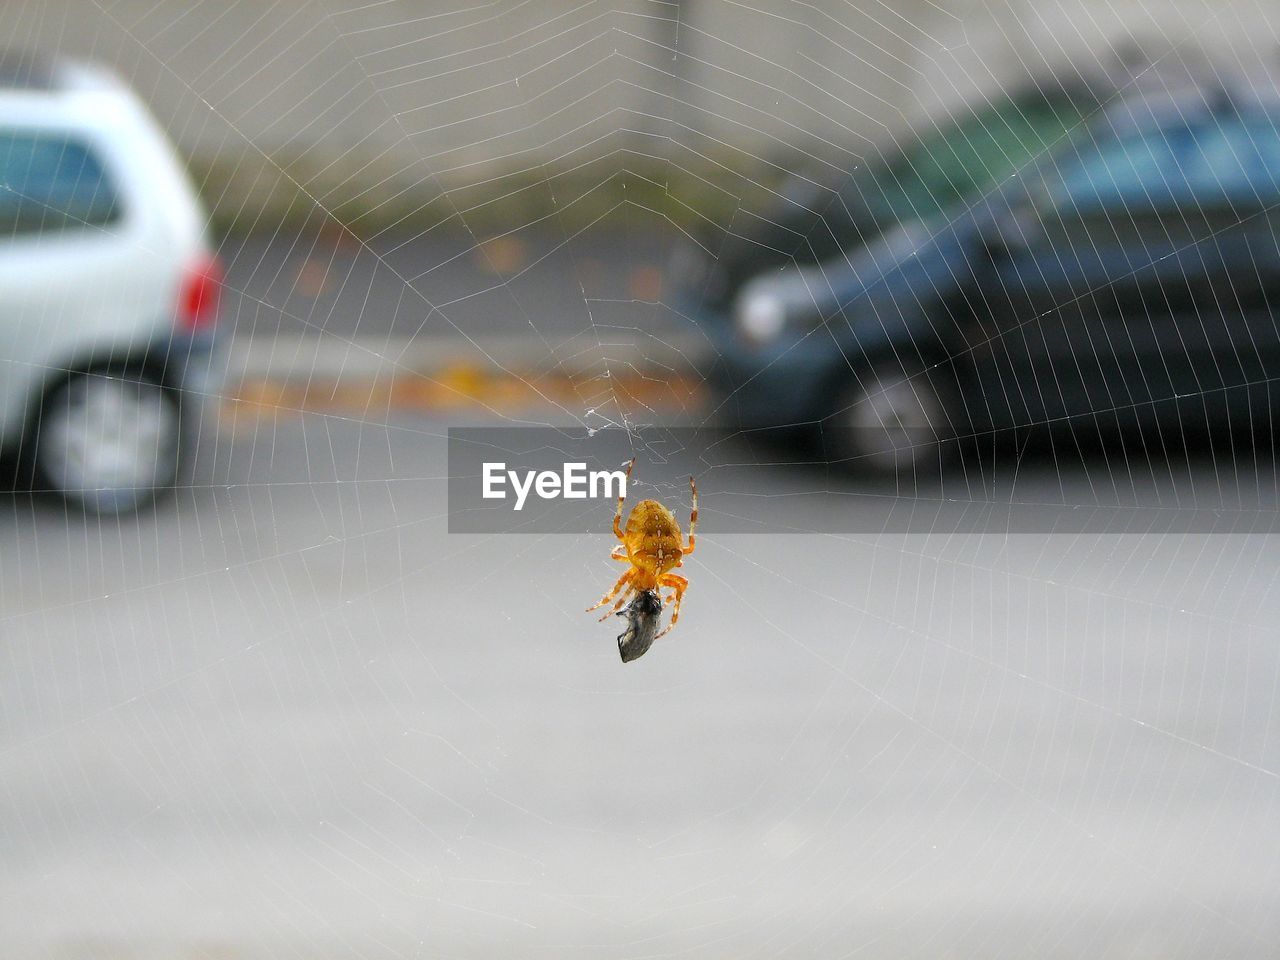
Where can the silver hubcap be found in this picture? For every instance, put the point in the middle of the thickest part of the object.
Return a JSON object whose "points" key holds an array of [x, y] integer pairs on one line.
{"points": [[108, 439], [896, 422]]}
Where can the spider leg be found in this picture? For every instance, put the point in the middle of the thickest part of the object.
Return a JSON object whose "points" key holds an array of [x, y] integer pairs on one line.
{"points": [[617, 604], [619, 552], [613, 591], [693, 520], [678, 584], [617, 514]]}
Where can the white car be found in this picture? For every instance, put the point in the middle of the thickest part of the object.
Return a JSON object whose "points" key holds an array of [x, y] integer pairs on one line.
{"points": [[108, 288]]}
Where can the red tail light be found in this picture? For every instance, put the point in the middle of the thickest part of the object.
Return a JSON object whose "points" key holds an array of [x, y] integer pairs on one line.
{"points": [[198, 297]]}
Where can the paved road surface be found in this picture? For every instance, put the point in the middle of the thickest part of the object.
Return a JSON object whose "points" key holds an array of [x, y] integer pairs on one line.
{"points": [[444, 284], [288, 716]]}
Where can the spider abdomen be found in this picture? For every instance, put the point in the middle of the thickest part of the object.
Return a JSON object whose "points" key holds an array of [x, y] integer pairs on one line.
{"points": [[653, 537]]}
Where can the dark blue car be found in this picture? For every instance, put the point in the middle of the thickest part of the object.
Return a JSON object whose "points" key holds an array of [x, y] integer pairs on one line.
{"points": [[1129, 275]]}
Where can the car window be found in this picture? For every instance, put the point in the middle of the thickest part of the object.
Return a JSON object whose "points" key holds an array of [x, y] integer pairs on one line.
{"points": [[1237, 157], [1132, 171], [1228, 159], [51, 182]]}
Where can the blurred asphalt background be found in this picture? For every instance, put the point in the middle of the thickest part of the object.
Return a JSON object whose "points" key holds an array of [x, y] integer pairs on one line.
{"points": [[289, 715], [448, 320], [525, 283]]}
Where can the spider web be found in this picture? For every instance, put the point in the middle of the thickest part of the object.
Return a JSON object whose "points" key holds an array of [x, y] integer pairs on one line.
{"points": [[289, 714]]}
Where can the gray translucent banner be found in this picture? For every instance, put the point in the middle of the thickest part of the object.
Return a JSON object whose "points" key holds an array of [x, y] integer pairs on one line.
{"points": [[752, 483]]}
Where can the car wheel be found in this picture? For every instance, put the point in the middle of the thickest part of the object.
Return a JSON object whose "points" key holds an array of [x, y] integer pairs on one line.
{"points": [[890, 423], [108, 441]]}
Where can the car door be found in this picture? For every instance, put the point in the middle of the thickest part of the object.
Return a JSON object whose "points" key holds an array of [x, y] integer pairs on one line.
{"points": [[1092, 303], [1233, 176]]}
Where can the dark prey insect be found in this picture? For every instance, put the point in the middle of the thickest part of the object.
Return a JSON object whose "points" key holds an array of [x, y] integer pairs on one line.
{"points": [[643, 614], [652, 545]]}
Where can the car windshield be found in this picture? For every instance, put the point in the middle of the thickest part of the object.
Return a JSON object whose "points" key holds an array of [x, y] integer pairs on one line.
{"points": [[964, 158], [956, 159]]}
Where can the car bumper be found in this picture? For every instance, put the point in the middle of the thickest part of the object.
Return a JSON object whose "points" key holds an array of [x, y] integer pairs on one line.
{"points": [[194, 363], [780, 384]]}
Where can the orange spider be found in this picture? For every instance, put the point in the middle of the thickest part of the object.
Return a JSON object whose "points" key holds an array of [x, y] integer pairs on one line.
{"points": [[651, 544]]}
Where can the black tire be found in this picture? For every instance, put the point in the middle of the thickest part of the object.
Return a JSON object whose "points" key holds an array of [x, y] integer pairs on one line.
{"points": [[108, 441], [890, 422]]}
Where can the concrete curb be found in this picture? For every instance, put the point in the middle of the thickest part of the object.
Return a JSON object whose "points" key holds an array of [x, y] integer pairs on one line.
{"points": [[366, 377], [301, 359]]}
